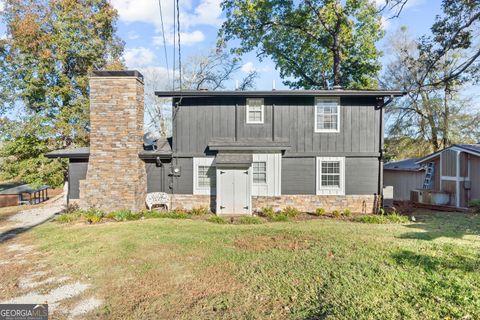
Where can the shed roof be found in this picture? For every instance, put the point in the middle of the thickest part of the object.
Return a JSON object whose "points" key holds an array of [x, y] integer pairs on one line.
{"points": [[468, 148], [404, 165], [280, 93]]}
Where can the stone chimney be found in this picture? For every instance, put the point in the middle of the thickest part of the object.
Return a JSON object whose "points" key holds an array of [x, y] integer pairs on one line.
{"points": [[116, 176]]}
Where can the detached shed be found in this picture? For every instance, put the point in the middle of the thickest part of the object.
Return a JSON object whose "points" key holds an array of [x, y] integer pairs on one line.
{"points": [[404, 176]]}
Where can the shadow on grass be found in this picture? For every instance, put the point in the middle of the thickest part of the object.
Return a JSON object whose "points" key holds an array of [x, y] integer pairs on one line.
{"points": [[432, 225], [452, 261]]}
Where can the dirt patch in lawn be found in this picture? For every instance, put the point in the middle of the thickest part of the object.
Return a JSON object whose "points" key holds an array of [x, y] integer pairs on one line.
{"points": [[281, 242]]}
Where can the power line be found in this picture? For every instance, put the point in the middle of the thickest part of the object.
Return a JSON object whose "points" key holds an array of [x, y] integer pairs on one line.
{"points": [[164, 40], [179, 48], [174, 52]]}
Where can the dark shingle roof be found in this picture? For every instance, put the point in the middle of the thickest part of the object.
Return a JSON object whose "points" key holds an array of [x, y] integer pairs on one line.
{"points": [[279, 93], [403, 165], [164, 149]]}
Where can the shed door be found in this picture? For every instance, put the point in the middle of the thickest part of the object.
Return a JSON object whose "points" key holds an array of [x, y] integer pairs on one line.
{"points": [[233, 191]]}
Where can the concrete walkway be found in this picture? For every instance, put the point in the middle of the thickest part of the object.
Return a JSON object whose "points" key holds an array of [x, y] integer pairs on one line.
{"points": [[25, 220]]}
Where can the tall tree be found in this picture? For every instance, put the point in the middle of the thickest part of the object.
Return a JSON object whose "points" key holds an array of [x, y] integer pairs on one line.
{"points": [[318, 43], [50, 49], [210, 71], [429, 116]]}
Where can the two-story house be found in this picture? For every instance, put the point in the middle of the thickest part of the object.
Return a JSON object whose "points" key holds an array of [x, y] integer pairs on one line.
{"points": [[234, 151]]}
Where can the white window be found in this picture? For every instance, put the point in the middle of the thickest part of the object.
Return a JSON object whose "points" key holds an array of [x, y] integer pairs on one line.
{"points": [[255, 112], [204, 176], [327, 115], [259, 172], [331, 176]]}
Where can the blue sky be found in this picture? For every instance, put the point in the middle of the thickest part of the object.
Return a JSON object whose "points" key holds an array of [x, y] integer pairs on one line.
{"points": [[140, 27]]}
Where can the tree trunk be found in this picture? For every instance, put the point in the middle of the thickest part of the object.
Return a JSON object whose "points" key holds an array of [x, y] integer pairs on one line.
{"points": [[336, 61], [446, 118]]}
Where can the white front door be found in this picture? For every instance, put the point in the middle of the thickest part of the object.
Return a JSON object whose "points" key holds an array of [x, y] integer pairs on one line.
{"points": [[233, 191]]}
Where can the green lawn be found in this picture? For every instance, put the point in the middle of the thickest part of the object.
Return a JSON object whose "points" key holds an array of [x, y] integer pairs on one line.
{"points": [[187, 269]]}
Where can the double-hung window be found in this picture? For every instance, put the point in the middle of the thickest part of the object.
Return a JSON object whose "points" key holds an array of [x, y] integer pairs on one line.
{"points": [[327, 115], [255, 111], [204, 176], [259, 172], [331, 175]]}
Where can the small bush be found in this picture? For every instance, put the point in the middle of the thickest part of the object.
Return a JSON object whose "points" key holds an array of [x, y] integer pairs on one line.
{"points": [[290, 212], [336, 213], [382, 219], [68, 217], [249, 220], [200, 211], [217, 219], [475, 205], [93, 215], [279, 217], [123, 215], [320, 212], [71, 208], [347, 213], [165, 214], [397, 218], [267, 212]]}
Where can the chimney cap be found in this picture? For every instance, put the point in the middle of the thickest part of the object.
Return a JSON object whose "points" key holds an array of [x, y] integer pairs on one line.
{"points": [[117, 73]]}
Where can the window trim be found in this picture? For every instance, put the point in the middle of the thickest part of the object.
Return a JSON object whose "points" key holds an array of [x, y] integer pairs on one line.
{"points": [[197, 162], [266, 174], [247, 106], [317, 100], [320, 190]]}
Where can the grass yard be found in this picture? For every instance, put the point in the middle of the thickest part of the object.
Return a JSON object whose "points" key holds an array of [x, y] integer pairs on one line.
{"points": [[324, 268]]}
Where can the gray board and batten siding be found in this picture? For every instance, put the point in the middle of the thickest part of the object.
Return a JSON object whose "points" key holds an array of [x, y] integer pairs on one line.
{"points": [[201, 120]]}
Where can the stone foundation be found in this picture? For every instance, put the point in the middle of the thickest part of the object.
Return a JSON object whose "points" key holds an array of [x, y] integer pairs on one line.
{"points": [[309, 203], [189, 201], [304, 203]]}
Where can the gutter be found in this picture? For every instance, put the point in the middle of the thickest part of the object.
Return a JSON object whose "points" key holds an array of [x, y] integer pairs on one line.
{"points": [[380, 107]]}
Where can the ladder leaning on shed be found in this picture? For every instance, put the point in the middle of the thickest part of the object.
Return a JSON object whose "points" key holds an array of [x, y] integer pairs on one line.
{"points": [[427, 182]]}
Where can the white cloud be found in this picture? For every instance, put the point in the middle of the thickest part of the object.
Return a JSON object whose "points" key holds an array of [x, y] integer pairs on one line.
{"points": [[207, 12], [132, 35], [138, 57], [248, 67], [186, 38], [385, 23], [2, 5]]}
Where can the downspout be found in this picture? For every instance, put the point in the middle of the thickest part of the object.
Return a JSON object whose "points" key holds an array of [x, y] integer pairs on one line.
{"points": [[380, 106]]}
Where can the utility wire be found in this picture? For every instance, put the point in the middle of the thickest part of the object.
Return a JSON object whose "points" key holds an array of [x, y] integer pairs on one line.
{"points": [[164, 40], [174, 52], [179, 48]]}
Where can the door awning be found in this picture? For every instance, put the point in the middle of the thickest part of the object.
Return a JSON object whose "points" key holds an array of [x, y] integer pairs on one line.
{"points": [[233, 159]]}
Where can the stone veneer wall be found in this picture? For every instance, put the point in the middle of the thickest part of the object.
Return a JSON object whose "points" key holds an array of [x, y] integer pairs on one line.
{"points": [[304, 203], [309, 203], [116, 176], [189, 201]]}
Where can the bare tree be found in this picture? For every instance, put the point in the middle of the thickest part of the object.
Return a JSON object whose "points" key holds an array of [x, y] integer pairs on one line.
{"points": [[211, 71]]}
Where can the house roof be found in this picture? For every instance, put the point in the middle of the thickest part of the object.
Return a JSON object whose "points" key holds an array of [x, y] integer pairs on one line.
{"points": [[404, 165], [279, 93], [468, 148], [234, 159], [164, 150]]}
